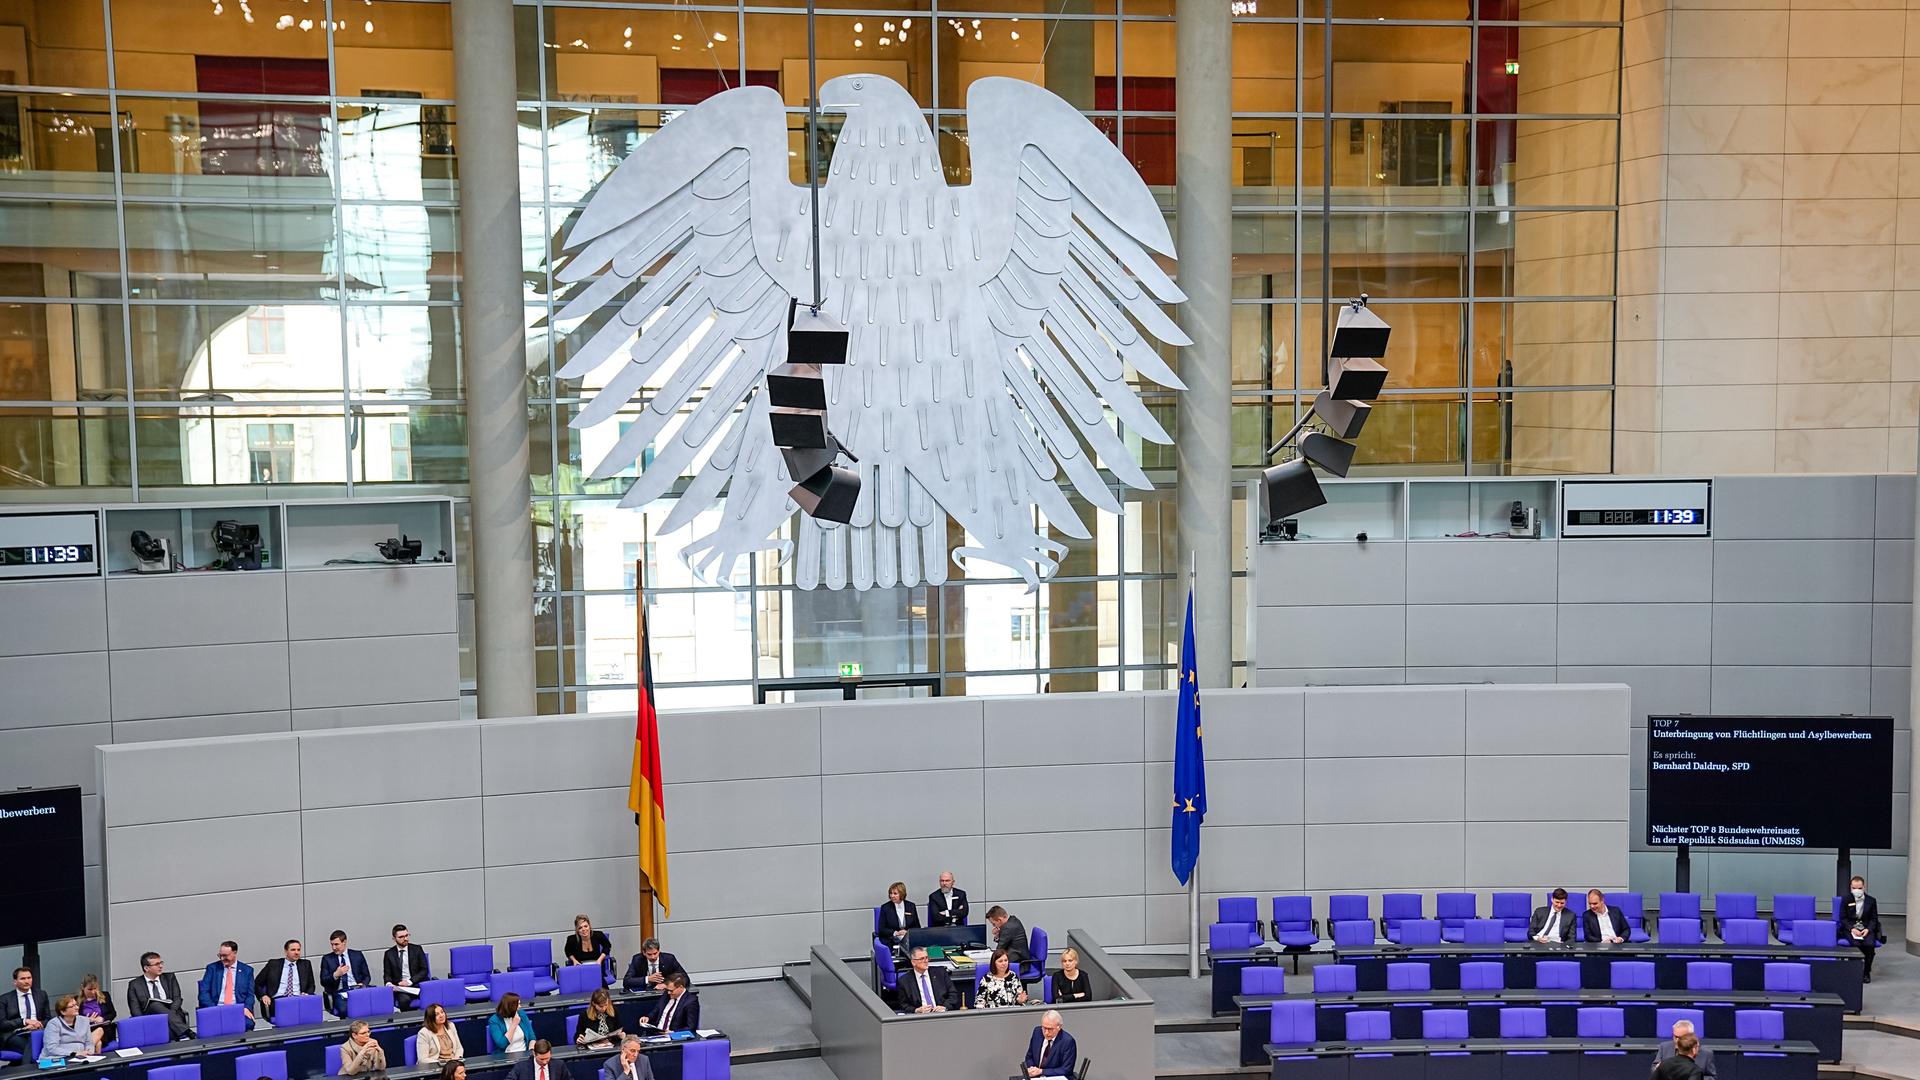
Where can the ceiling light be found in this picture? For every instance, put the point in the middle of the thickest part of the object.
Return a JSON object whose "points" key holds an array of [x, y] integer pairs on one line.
{"points": [[718, 36], [858, 27], [976, 23], [856, 43], [979, 35], [628, 32], [368, 28], [887, 26], [676, 37], [905, 23], [1014, 34]]}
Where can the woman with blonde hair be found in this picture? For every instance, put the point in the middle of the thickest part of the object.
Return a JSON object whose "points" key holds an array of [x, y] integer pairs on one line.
{"points": [[1070, 984], [599, 1025], [897, 915]]}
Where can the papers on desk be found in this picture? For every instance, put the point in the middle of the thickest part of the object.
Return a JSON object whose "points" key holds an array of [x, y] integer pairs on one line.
{"points": [[656, 1038], [708, 1033], [978, 956], [478, 988], [127, 1052]]}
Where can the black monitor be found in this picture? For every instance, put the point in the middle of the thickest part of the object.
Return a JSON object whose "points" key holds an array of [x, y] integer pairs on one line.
{"points": [[43, 893], [1786, 782]]}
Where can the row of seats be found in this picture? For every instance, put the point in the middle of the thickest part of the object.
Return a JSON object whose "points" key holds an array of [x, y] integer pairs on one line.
{"points": [[1783, 978], [1028, 971], [1403, 920], [708, 1059], [1294, 1023]]}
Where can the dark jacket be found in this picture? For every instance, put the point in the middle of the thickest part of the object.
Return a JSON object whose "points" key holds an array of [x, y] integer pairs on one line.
{"points": [[890, 919], [1616, 918], [686, 1013], [525, 1069], [416, 965], [1539, 922], [944, 992], [12, 1019], [1679, 1068], [1060, 1057], [1013, 938], [273, 973], [329, 963], [636, 977], [937, 909], [611, 1069], [1868, 915]]}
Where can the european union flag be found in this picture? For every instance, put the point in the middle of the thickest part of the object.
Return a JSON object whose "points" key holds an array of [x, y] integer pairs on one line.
{"points": [[1189, 763]]}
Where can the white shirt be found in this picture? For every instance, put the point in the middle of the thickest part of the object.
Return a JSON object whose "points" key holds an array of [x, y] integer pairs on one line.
{"points": [[946, 898], [1046, 1047], [1550, 931], [900, 914], [26, 1005], [406, 968], [289, 982], [666, 1014], [1606, 923], [154, 992], [926, 990]]}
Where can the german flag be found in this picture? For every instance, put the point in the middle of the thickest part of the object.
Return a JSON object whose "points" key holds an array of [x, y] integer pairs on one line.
{"points": [[645, 795]]}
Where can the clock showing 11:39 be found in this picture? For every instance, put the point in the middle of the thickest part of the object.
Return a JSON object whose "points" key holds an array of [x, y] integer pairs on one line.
{"points": [[49, 544]]}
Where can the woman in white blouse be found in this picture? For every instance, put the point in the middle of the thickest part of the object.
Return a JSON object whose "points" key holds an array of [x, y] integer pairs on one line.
{"points": [[438, 1040], [897, 915]]}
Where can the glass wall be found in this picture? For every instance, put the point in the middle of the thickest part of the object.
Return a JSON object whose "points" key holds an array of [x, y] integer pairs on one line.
{"points": [[233, 264]]}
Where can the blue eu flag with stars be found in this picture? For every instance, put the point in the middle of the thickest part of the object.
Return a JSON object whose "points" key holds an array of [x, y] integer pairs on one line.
{"points": [[1189, 763]]}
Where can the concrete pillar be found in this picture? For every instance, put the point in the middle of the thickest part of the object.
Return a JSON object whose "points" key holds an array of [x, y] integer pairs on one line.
{"points": [[1203, 205], [1913, 765], [494, 353]]}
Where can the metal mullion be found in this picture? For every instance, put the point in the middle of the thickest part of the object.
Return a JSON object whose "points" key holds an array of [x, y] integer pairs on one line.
{"points": [[195, 95], [1471, 266], [110, 403], [353, 433], [1613, 351], [54, 91], [13, 195], [120, 225], [238, 202]]}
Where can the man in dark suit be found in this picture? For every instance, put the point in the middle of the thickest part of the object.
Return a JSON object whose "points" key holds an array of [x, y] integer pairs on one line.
{"points": [[676, 1011], [1685, 1062], [1700, 1056], [404, 967], [540, 1066], [628, 1064], [1050, 1052], [1008, 934], [651, 968], [342, 969], [947, 906], [283, 976], [227, 981], [1859, 917], [1603, 923], [1552, 923], [23, 1011], [157, 990], [926, 989]]}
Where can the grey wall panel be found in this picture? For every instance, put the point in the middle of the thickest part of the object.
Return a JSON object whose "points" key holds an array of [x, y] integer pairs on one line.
{"points": [[93, 834], [1533, 854], [857, 875], [1292, 676], [46, 617], [1633, 634], [1545, 788], [422, 837], [200, 727], [59, 688], [1239, 792], [1486, 572], [1481, 674], [1767, 872], [1791, 691], [1791, 634], [878, 736], [1824, 507], [369, 600], [1889, 696], [773, 812], [1458, 634], [93, 884], [1505, 719], [737, 744], [1636, 572], [1062, 798], [1385, 789], [1892, 634], [897, 805], [1254, 723], [405, 712], [437, 908], [1893, 571], [729, 944], [253, 851], [849, 931], [561, 826], [432, 761], [200, 681], [1121, 920], [1326, 637], [1419, 855], [1893, 506], [185, 929], [561, 753], [536, 897], [166, 611], [1653, 689], [1028, 866], [1079, 729], [1333, 574], [420, 667], [1261, 860], [743, 883], [222, 777], [1793, 571], [1386, 721]]}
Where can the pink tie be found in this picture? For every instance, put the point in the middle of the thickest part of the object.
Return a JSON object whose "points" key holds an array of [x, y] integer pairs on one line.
{"points": [[226, 989]]}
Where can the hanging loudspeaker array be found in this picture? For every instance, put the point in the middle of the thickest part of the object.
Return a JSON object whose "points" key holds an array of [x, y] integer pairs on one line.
{"points": [[797, 394]]}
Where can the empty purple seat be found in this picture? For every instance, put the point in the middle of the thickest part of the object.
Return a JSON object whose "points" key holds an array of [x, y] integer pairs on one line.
{"points": [[1663, 1021], [511, 982], [1293, 925], [706, 1059], [579, 979], [1443, 1024], [1240, 909], [1292, 1023], [1735, 905], [1789, 908], [1788, 978], [1231, 937], [1766, 1025], [1335, 979], [148, 1030], [1483, 975], [1262, 979], [331, 1060], [1709, 975], [1353, 933], [1557, 975], [534, 956], [1634, 908], [1523, 1023], [1601, 1022], [1480, 932], [1743, 931], [299, 1010], [1395, 909], [472, 965], [446, 993], [1408, 976], [1814, 933], [1679, 905], [1515, 911], [271, 1065], [1453, 909], [1631, 975], [1681, 932], [175, 1072], [369, 1001], [1369, 1025], [1420, 932], [216, 1021], [1342, 907]]}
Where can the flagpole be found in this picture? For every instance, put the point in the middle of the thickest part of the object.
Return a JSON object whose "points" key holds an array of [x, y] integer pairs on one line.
{"points": [[640, 642], [1193, 878]]}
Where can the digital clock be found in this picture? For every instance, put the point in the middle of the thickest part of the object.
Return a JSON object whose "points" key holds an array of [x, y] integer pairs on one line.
{"points": [[46, 555], [1636, 507], [1671, 516], [47, 544]]}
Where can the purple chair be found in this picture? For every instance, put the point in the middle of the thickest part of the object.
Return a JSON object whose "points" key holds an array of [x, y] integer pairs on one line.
{"points": [[1815, 933], [369, 1001], [1037, 949], [271, 1065], [1241, 909], [1631, 974], [1664, 1019], [1601, 1022], [1679, 905], [1480, 932], [1523, 1023], [534, 956], [1262, 979], [1420, 932], [1483, 975], [1453, 909], [883, 967], [446, 993], [1293, 923], [1736, 905], [216, 1021], [1225, 937], [410, 1051], [1352, 933], [1557, 975], [332, 1058], [472, 965], [1764, 1025], [148, 1030], [1292, 1023], [706, 1059], [1681, 932], [1344, 907], [1046, 989], [1443, 1024], [1633, 906], [1709, 975], [1515, 911], [1744, 931], [1395, 909], [1369, 1025], [1335, 979], [511, 982], [34, 1046], [1789, 908], [1409, 976], [175, 1072], [579, 979], [299, 1010], [1788, 978]]}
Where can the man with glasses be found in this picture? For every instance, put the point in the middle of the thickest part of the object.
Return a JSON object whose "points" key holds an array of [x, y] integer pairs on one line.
{"points": [[157, 990]]}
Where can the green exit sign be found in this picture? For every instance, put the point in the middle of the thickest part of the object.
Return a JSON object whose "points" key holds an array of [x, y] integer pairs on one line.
{"points": [[850, 670], [1513, 67]]}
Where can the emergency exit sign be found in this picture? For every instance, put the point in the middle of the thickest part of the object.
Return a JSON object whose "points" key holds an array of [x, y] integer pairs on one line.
{"points": [[850, 670]]}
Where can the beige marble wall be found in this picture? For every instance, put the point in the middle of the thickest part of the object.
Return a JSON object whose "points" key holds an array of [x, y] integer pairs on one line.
{"points": [[1770, 237]]}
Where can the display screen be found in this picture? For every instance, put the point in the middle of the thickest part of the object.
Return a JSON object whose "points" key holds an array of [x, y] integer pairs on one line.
{"points": [[1683, 515], [43, 892], [1770, 781], [46, 555]]}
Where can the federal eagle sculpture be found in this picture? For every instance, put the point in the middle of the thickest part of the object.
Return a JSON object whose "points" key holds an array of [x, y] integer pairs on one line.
{"points": [[992, 327]]}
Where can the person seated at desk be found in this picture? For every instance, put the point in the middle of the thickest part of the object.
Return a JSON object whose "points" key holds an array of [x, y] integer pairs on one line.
{"points": [[587, 945], [438, 1040], [947, 906], [1604, 924], [342, 969], [897, 915], [1050, 1051], [453, 1070], [68, 1034], [1070, 984], [677, 1011], [156, 990], [1000, 987], [926, 989], [361, 1053], [1552, 924], [1860, 922], [1008, 934], [283, 976], [23, 1011], [540, 1066], [600, 1025], [1683, 1065], [1701, 1056], [627, 1064], [227, 981], [651, 968], [404, 967], [96, 1005], [507, 1031]]}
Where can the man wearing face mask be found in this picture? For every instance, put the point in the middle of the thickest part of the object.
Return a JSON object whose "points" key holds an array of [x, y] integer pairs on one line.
{"points": [[1859, 918]]}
